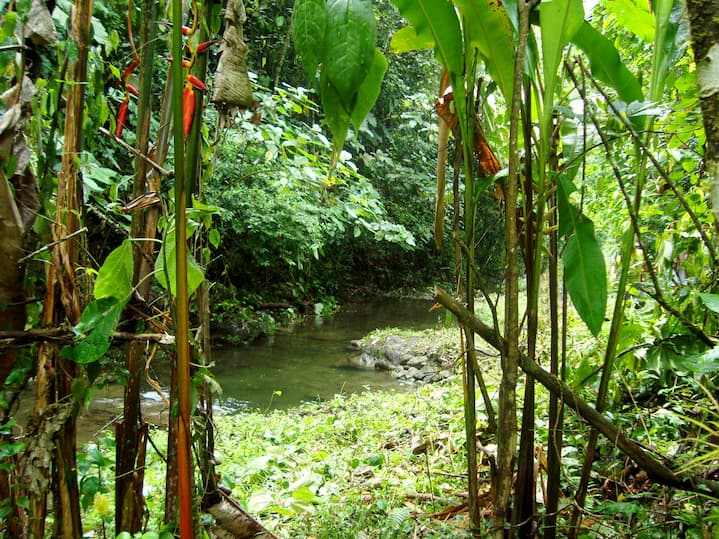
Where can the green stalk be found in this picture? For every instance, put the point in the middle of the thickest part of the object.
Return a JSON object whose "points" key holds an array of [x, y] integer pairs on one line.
{"points": [[182, 321], [507, 424]]}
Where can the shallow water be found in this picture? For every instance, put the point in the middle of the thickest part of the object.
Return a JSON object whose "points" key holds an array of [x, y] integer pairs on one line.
{"points": [[311, 362]]}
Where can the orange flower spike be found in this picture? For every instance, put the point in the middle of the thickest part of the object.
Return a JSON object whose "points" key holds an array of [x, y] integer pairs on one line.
{"points": [[132, 90], [197, 83], [202, 47], [188, 108], [121, 117]]}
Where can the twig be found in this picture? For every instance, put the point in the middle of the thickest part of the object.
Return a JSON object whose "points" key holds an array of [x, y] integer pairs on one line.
{"points": [[51, 245], [163, 171], [634, 218], [662, 172], [19, 338]]}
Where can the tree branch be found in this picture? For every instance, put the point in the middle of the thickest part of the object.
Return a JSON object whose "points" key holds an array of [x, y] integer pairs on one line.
{"points": [[656, 470]]}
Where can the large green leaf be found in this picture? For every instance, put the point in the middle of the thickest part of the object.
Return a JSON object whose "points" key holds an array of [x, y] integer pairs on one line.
{"points": [[606, 64], [114, 278], [585, 273], [166, 267], [710, 301], [436, 21], [369, 90], [665, 45], [95, 330], [559, 22], [349, 46], [309, 20], [634, 16], [406, 39], [489, 29]]}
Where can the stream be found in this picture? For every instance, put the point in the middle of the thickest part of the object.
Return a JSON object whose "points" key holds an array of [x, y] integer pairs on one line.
{"points": [[308, 363]]}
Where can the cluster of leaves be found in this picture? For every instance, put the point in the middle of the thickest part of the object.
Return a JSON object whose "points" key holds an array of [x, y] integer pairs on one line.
{"points": [[282, 214]]}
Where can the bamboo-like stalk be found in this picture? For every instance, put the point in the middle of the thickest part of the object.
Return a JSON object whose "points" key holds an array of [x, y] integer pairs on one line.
{"points": [[130, 438], [182, 322], [556, 408], [507, 423]]}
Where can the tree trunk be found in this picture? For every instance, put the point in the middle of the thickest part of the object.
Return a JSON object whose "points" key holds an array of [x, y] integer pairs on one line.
{"points": [[131, 432], [62, 303], [704, 25]]}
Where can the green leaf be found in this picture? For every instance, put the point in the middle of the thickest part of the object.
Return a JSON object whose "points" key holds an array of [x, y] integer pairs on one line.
{"points": [[436, 21], [606, 64], [710, 301], [634, 16], [349, 46], [114, 278], [369, 90], [406, 39], [559, 22], [488, 28], [568, 212], [309, 21], [586, 274], [336, 115], [166, 267], [665, 44], [214, 237], [95, 330]]}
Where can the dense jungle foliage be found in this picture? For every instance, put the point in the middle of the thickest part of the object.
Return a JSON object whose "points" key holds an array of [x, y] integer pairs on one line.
{"points": [[172, 171]]}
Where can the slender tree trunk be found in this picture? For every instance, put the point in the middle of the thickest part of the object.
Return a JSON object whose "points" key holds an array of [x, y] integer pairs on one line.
{"points": [[131, 432], [507, 420], [63, 305], [704, 24], [524, 494]]}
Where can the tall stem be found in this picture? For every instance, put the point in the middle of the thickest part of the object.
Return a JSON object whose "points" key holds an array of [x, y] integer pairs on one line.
{"points": [[182, 322]]}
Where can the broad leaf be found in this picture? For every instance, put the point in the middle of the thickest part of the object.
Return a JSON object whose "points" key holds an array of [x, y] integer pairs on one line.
{"points": [[436, 21], [606, 64], [568, 212], [349, 46], [95, 330], [665, 44], [406, 39], [488, 28], [336, 114], [710, 301], [634, 16], [369, 90], [114, 278], [586, 274], [309, 20], [559, 22], [166, 267]]}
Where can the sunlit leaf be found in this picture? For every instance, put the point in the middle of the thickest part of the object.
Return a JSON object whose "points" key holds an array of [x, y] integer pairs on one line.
{"points": [[606, 64], [114, 278], [559, 20], [634, 16], [406, 39], [490, 30], [436, 21], [711, 301]]}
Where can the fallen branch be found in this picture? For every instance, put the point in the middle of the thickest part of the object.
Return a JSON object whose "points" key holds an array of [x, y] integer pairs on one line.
{"points": [[656, 470], [63, 336]]}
